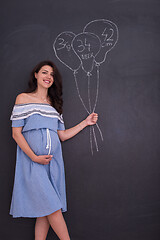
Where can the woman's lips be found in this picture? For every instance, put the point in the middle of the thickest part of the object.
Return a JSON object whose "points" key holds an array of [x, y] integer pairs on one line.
{"points": [[47, 81]]}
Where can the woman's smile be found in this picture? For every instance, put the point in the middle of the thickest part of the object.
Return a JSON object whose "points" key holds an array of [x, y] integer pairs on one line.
{"points": [[47, 81]]}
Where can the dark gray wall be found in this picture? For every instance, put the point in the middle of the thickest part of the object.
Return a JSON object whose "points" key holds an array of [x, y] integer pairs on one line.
{"points": [[113, 194]]}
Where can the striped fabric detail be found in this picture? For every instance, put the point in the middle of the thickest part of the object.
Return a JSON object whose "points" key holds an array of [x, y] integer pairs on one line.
{"points": [[21, 111]]}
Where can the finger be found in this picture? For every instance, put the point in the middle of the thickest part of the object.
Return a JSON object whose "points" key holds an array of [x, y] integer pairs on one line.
{"points": [[48, 159], [47, 156], [45, 163], [95, 118]]}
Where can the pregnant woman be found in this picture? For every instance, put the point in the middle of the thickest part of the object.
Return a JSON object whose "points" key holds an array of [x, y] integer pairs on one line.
{"points": [[37, 127]]}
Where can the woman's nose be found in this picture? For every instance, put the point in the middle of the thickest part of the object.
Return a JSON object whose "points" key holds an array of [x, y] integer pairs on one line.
{"points": [[49, 76]]}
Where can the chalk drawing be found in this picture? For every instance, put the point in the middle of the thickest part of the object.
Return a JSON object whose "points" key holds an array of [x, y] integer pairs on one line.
{"points": [[87, 50], [107, 32]]}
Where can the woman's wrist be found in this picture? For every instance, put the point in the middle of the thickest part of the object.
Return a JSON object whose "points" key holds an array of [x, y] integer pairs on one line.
{"points": [[83, 124], [34, 158]]}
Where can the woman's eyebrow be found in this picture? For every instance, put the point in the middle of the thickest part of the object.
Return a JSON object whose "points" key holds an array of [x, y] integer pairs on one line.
{"points": [[46, 70]]}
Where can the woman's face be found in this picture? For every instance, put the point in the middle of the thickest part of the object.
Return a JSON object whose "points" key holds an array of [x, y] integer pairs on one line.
{"points": [[45, 76]]}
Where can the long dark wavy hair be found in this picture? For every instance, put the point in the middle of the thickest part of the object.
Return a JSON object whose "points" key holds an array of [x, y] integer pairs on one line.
{"points": [[55, 91]]}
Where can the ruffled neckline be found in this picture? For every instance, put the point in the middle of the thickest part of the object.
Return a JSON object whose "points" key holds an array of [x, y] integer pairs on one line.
{"points": [[22, 111], [22, 104]]}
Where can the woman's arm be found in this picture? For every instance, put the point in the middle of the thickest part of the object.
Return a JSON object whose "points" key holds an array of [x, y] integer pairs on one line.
{"points": [[22, 143], [71, 132]]}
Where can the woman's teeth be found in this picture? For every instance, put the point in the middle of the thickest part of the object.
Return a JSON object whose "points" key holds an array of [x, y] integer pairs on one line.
{"points": [[46, 81]]}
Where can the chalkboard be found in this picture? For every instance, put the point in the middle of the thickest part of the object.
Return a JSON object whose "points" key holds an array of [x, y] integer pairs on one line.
{"points": [[112, 182]]}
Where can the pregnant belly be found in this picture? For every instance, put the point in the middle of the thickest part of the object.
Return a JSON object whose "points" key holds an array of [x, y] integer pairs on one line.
{"points": [[42, 142]]}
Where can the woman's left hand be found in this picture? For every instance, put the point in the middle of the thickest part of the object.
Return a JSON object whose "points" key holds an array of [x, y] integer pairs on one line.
{"points": [[92, 119]]}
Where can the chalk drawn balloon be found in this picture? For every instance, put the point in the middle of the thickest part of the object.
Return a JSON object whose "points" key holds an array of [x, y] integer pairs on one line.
{"points": [[64, 52], [86, 46], [87, 50], [107, 32]]}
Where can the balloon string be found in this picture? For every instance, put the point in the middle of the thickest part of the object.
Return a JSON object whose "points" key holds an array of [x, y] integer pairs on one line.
{"points": [[91, 127], [97, 65], [94, 135], [95, 138], [89, 100], [99, 131], [91, 140], [97, 89], [79, 93]]}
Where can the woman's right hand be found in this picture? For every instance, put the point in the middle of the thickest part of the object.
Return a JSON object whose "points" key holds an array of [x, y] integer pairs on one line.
{"points": [[42, 159], [23, 144]]}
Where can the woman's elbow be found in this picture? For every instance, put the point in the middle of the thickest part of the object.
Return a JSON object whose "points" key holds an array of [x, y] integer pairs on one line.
{"points": [[62, 139], [62, 136], [15, 134]]}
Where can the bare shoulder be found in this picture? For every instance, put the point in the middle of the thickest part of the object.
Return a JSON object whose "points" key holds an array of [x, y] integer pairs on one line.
{"points": [[22, 98]]}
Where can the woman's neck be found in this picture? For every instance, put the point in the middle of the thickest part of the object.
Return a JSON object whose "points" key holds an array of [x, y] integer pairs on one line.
{"points": [[41, 93]]}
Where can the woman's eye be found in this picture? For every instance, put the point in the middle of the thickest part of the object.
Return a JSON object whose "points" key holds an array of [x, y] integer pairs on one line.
{"points": [[44, 72]]}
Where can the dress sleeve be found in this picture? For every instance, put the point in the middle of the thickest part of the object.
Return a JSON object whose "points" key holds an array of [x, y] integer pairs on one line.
{"points": [[17, 120], [61, 125], [18, 123]]}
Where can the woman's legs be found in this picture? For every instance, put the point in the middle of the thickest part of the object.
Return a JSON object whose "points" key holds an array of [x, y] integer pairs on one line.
{"points": [[41, 228], [58, 224]]}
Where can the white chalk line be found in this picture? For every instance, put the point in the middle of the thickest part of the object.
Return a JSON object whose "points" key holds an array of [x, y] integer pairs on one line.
{"points": [[79, 92], [91, 144], [111, 24], [89, 99], [75, 71], [89, 112]]}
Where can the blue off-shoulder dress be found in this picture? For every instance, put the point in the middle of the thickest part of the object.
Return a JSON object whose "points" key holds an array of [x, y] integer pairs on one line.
{"points": [[38, 190]]}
